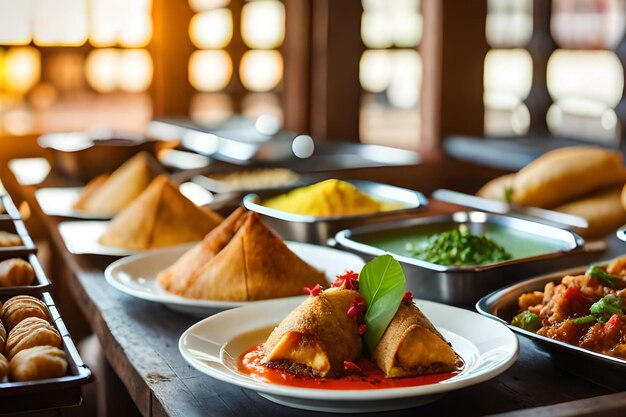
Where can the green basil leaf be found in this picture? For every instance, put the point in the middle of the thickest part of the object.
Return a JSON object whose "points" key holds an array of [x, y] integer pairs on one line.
{"points": [[382, 285]]}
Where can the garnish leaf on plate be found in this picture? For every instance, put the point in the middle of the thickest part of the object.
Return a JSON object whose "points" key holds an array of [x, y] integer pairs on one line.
{"points": [[382, 285]]}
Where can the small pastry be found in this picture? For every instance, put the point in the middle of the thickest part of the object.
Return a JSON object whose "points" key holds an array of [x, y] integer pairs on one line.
{"points": [[30, 332], [20, 307], [9, 239], [3, 335], [4, 368], [39, 362], [16, 272]]}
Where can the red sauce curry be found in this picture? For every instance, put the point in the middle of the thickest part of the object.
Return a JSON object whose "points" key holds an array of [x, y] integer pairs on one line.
{"points": [[371, 377]]}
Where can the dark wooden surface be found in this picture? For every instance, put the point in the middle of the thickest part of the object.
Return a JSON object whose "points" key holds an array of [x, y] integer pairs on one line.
{"points": [[140, 338]]}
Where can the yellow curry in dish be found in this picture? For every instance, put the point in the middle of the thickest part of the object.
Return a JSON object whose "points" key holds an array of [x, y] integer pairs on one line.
{"points": [[329, 198]]}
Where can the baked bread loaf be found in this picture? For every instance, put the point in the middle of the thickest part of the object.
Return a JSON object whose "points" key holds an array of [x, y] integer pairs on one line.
{"points": [[562, 175], [30, 332], [3, 335], [16, 272], [4, 368], [499, 188], [21, 307], [39, 362], [8, 239]]}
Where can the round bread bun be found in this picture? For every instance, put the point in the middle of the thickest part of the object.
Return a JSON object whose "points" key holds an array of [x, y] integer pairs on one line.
{"points": [[562, 175], [603, 211], [496, 189]]}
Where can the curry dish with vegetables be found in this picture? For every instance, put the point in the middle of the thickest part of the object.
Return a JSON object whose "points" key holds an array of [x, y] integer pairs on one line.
{"points": [[587, 310]]}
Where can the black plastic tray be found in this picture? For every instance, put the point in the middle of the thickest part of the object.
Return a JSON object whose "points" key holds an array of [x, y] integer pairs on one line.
{"points": [[41, 282], [47, 393], [17, 227]]}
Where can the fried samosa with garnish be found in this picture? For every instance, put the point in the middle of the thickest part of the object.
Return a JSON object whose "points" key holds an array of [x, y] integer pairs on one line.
{"points": [[161, 216], [412, 346], [109, 194], [317, 337], [240, 260]]}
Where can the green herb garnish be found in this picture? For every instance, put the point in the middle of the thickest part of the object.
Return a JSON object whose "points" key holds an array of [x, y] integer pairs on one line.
{"points": [[382, 285], [601, 275], [585, 319], [604, 308], [508, 193], [527, 321], [459, 247]]}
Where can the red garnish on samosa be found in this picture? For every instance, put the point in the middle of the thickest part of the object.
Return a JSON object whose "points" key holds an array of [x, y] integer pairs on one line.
{"points": [[349, 281]]}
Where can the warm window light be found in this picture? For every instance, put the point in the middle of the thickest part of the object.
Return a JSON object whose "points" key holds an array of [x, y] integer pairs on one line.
{"points": [[201, 5], [406, 79], [210, 70], [407, 28], [256, 105], [18, 121], [507, 78], [211, 29], [376, 30], [263, 24], [261, 70], [124, 22], [60, 22], [101, 70], [591, 75], [135, 70], [15, 28], [22, 68], [375, 71], [211, 107]]}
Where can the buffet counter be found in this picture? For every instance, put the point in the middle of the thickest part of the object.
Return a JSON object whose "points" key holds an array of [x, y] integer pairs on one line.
{"points": [[140, 338]]}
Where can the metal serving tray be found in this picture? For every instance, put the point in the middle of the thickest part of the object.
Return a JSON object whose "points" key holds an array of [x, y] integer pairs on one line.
{"points": [[17, 227], [318, 230], [464, 285], [47, 393], [41, 282], [501, 305]]}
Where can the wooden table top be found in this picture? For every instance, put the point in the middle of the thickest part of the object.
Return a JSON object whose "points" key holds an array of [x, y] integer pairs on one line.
{"points": [[140, 338]]}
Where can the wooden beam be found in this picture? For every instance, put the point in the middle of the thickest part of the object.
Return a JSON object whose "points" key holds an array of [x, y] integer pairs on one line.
{"points": [[430, 102], [171, 48], [463, 50], [297, 54], [336, 51]]}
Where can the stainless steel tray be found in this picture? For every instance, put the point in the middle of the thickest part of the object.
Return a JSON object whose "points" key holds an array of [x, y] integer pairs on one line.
{"points": [[10, 211], [314, 229], [464, 285], [501, 305]]}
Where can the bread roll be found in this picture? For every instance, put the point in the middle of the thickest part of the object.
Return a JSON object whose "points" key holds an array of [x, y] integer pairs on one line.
{"points": [[3, 336], [4, 368], [20, 307], [39, 362], [30, 332], [603, 211], [16, 272], [8, 239], [564, 174], [496, 189]]}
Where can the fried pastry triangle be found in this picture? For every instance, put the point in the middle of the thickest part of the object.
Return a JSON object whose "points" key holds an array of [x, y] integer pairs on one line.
{"points": [[160, 216]]}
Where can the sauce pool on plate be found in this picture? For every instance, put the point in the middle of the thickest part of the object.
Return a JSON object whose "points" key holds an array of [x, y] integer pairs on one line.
{"points": [[371, 377]]}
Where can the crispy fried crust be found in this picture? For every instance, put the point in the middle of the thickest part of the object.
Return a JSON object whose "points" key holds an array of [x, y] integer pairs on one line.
{"points": [[323, 322], [603, 211], [240, 261], [108, 195], [161, 216], [412, 346], [564, 174]]}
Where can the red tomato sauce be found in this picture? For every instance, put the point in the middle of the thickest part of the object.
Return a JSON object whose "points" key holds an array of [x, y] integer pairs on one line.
{"points": [[372, 377]]}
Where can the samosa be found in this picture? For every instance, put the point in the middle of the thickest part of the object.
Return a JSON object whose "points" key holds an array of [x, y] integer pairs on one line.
{"points": [[109, 194], [412, 346], [240, 260], [160, 216]]}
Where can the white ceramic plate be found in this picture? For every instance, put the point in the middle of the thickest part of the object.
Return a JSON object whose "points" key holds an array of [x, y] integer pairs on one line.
{"points": [[213, 346], [81, 238], [58, 202], [136, 275]]}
